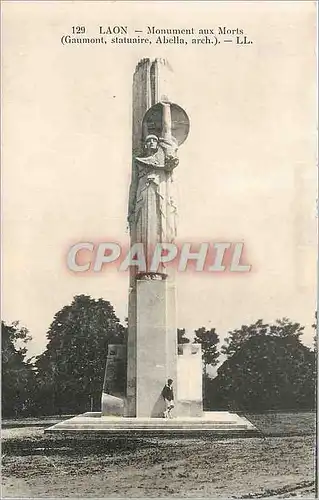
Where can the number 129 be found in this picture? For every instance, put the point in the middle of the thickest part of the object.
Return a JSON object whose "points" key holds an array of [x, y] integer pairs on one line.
{"points": [[78, 29]]}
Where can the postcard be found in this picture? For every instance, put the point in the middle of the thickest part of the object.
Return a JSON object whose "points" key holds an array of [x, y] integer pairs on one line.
{"points": [[159, 242]]}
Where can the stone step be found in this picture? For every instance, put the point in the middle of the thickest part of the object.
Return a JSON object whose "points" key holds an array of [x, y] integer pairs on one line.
{"points": [[150, 425], [146, 428], [143, 433], [213, 422]]}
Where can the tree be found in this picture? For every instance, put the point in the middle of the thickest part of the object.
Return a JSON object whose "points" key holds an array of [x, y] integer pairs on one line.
{"points": [[181, 339], [209, 340], [17, 374], [315, 337], [266, 373], [283, 328], [71, 370]]}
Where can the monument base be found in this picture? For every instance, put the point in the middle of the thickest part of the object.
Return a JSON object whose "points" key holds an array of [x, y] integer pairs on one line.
{"points": [[211, 423], [152, 347]]}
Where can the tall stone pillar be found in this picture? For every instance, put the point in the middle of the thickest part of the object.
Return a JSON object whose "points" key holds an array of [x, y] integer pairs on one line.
{"points": [[152, 343]]}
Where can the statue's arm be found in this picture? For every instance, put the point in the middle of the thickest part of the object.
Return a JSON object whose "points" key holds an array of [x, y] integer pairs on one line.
{"points": [[166, 122], [168, 142]]}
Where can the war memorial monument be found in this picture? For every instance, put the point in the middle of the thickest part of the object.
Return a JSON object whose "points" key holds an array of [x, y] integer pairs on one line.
{"points": [[136, 405]]}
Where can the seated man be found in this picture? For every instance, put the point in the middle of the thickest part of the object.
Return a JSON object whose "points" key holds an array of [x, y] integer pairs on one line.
{"points": [[168, 396]]}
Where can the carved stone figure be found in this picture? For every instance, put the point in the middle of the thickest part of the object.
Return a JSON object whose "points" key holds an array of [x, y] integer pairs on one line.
{"points": [[152, 204]]}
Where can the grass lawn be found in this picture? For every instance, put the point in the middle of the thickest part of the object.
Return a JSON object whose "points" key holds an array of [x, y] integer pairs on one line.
{"points": [[279, 463], [284, 423]]}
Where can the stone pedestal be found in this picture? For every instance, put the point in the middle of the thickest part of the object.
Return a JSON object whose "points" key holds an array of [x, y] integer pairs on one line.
{"points": [[155, 347], [189, 380], [114, 386]]}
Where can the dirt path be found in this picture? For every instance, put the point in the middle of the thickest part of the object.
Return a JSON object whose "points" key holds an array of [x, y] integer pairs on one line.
{"points": [[238, 468]]}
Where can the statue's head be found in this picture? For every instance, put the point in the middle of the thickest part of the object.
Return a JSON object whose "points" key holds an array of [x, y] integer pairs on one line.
{"points": [[151, 144]]}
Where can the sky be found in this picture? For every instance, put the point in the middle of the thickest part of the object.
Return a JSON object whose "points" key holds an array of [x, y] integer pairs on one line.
{"points": [[247, 169]]}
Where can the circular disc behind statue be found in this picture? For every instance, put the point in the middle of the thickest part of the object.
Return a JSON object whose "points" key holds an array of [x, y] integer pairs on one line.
{"points": [[152, 122]]}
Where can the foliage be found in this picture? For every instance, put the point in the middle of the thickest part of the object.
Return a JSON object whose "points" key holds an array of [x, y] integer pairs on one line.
{"points": [[269, 370], [315, 337], [71, 370], [267, 366], [209, 340], [181, 339], [282, 328], [17, 374]]}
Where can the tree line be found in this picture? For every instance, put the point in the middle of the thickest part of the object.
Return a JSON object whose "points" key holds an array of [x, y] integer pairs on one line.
{"points": [[265, 367]]}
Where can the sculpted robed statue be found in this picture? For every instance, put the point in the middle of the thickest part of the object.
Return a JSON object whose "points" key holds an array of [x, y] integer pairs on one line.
{"points": [[152, 201]]}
